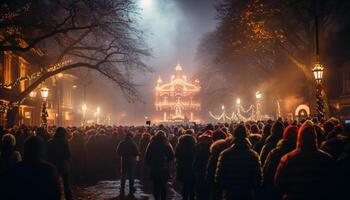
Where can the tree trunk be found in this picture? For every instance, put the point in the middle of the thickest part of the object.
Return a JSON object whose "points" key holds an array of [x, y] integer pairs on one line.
{"points": [[11, 116]]}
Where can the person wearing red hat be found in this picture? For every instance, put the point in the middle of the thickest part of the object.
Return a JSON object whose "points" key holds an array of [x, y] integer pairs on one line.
{"points": [[284, 146], [305, 173]]}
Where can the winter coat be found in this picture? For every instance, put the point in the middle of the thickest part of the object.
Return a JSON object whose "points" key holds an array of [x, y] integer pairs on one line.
{"points": [[284, 146], [334, 146], [238, 171], [58, 154], [201, 157], [159, 154], [128, 150], [30, 180], [305, 173], [8, 158], [215, 149], [277, 130], [270, 167], [184, 155], [343, 173]]}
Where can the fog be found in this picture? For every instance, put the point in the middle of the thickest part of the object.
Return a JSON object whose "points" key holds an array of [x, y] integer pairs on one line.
{"points": [[172, 30]]}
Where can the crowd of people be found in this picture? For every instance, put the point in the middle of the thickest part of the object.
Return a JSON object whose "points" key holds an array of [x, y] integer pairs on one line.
{"points": [[272, 160]]}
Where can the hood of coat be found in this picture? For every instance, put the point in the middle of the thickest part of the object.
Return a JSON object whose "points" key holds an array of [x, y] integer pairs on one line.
{"points": [[307, 139]]}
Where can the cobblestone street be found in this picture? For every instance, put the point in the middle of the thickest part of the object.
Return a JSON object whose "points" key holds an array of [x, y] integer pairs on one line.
{"points": [[110, 190]]}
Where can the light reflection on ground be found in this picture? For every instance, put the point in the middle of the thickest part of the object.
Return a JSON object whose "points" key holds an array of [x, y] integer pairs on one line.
{"points": [[110, 190]]}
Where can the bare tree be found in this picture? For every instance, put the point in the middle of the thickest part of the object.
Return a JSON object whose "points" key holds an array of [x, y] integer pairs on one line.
{"points": [[97, 34]]}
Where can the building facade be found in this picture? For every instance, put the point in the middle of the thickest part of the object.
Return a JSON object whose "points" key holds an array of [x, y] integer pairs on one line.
{"points": [[177, 100], [60, 100]]}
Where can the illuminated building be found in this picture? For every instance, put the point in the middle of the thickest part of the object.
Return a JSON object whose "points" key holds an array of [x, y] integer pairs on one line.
{"points": [[177, 100]]}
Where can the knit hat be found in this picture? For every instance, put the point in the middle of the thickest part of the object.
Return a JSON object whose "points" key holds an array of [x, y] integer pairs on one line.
{"points": [[307, 139], [218, 134], [240, 132]]}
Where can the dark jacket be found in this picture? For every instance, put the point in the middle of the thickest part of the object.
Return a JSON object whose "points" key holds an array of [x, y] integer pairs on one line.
{"points": [[305, 173], [58, 154], [128, 150], [30, 180], [284, 146], [215, 149], [238, 170], [184, 154], [271, 142], [158, 155]]}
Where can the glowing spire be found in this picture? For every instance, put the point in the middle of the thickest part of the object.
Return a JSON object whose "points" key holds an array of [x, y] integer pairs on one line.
{"points": [[159, 80], [178, 67]]}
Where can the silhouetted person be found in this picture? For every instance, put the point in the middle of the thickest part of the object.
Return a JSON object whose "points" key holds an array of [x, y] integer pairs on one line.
{"points": [[58, 154], [202, 152], [159, 154], [238, 170], [32, 178], [184, 154], [8, 156], [284, 146], [305, 173], [215, 149], [265, 134], [271, 142], [128, 151]]}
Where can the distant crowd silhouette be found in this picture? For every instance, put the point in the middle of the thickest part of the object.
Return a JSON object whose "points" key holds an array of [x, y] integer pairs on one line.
{"points": [[267, 160]]}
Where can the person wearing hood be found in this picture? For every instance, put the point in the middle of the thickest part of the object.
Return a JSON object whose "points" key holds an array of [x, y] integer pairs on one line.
{"points": [[8, 156], [32, 178], [271, 142], [184, 156], [58, 154], [201, 157], [284, 146], [238, 171], [266, 132], [128, 151], [305, 173], [159, 154], [220, 143]]}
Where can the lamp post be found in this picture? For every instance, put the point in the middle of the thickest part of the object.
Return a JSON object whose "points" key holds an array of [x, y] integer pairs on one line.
{"points": [[258, 97], [318, 68], [98, 110], [44, 94], [223, 113], [318, 74], [84, 109], [238, 104]]}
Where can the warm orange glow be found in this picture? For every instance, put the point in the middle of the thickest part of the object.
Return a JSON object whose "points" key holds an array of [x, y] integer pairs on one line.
{"points": [[177, 99]]}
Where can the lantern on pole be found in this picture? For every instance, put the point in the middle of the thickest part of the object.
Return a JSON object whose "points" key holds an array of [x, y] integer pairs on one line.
{"points": [[44, 91], [318, 75]]}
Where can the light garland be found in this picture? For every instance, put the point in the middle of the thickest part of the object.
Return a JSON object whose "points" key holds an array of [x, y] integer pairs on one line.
{"points": [[52, 68], [34, 75], [237, 116]]}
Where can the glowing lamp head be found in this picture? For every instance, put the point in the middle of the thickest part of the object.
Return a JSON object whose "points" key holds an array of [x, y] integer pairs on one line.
{"points": [[84, 107], [238, 101], [44, 93], [258, 95], [32, 94], [222, 107], [98, 109], [318, 72], [60, 75]]}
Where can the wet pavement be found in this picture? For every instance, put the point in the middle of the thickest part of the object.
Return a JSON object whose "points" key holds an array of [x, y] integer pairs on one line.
{"points": [[110, 190]]}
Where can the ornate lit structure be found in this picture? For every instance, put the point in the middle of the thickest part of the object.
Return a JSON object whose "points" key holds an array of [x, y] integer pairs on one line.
{"points": [[177, 101]]}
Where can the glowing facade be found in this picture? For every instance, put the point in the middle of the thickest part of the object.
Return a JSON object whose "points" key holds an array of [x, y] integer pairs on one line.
{"points": [[177, 101]]}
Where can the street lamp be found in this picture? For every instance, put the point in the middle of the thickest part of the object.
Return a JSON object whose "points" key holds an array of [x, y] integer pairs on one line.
{"points": [[98, 110], [238, 101], [222, 107], [44, 94], [318, 74], [32, 94], [84, 109], [258, 96]]}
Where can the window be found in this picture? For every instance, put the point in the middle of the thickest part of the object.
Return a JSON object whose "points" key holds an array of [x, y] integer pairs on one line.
{"points": [[7, 68]]}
